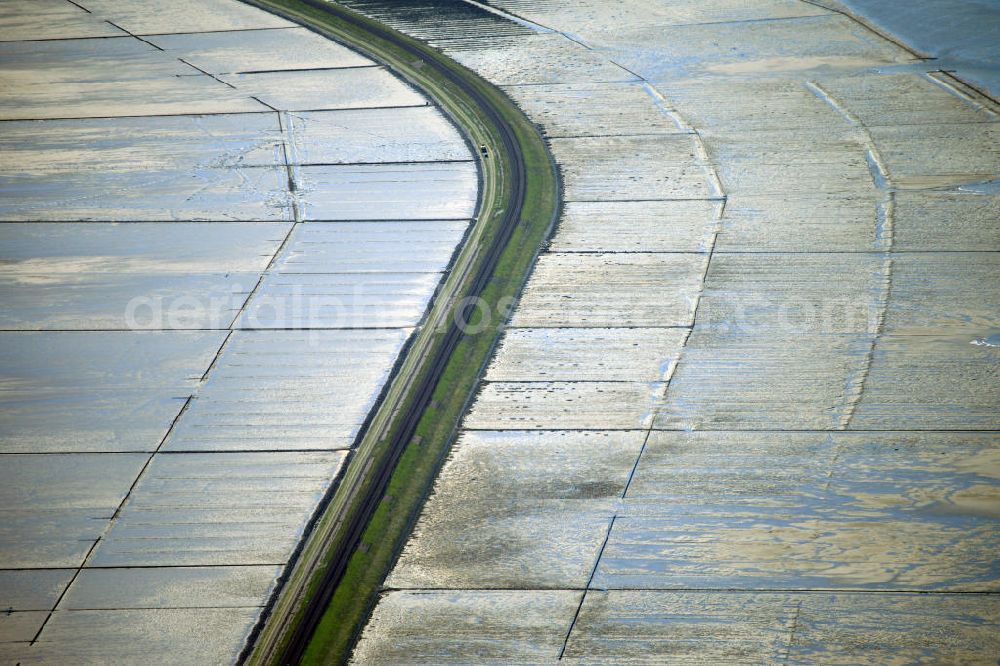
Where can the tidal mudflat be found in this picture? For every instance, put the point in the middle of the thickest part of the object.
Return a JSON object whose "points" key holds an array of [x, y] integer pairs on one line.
{"points": [[745, 410], [218, 230]]}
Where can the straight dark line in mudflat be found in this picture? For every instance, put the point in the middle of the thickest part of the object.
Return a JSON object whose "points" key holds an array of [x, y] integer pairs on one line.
{"points": [[643, 382], [689, 431], [269, 109], [346, 220], [76, 574], [303, 69], [611, 201], [64, 39], [881, 253], [172, 452], [79, 6], [191, 330], [140, 115], [131, 34], [107, 567], [115, 515], [386, 163], [769, 19], [590, 581], [209, 32], [705, 590], [565, 83], [208, 74]]}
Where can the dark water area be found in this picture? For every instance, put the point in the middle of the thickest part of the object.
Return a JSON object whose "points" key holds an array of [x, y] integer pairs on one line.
{"points": [[963, 34]]}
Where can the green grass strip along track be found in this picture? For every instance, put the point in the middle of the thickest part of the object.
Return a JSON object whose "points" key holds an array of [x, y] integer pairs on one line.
{"points": [[338, 572]]}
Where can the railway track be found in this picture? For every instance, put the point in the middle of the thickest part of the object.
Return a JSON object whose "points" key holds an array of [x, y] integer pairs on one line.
{"points": [[352, 529]]}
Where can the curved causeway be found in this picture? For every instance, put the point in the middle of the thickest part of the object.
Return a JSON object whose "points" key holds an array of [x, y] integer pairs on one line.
{"points": [[219, 232]]}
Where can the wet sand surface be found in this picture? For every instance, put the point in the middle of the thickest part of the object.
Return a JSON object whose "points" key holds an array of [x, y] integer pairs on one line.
{"points": [[746, 410], [217, 232]]}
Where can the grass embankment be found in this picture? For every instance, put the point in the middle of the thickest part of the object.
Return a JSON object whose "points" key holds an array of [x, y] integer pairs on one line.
{"points": [[392, 522]]}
